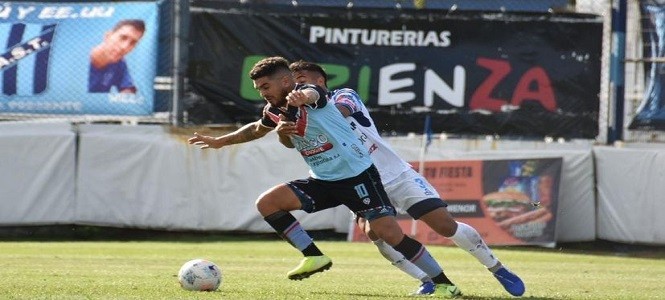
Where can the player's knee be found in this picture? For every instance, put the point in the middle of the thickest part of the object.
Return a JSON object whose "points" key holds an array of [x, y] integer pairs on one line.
{"points": [[441, 222], [445, 228], [371, 235], [390, 232], [278, 198], [266, 204], [392, 237]]}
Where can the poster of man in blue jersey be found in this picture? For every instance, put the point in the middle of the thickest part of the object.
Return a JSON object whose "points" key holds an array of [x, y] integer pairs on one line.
{"points": [[78, 58], [108, 68]]}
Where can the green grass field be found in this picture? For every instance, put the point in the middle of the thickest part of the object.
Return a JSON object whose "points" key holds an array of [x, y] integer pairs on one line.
{"points": [[256, 269]]}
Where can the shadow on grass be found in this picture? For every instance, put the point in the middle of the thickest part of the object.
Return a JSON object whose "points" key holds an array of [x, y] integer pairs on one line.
{"points": [[57, 233], [383, 296], [503, 298], [67, 233], [598, 247]]}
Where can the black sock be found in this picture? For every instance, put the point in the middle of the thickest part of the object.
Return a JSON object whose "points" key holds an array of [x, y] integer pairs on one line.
{"points": [[441, 278], [312, 250], [281, 221], [408, 247]]}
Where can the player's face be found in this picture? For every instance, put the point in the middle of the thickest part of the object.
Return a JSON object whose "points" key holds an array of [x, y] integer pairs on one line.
{"points": [[120, 42], [274, 90], [308, 77]]}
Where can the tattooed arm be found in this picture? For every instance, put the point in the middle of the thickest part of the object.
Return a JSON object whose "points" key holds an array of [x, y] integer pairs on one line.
{"points": [[249, 132]]}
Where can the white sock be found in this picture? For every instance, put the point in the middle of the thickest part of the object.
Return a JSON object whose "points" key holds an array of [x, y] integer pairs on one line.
{"points": [[398, 260], [467, 238]]}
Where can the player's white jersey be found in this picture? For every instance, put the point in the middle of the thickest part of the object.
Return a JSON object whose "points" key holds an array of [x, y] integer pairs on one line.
{"points": [[386, 160]]}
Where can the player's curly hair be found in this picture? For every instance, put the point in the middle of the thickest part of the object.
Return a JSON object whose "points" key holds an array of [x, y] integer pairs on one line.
{"points": [[302, 65], [269, 66]]}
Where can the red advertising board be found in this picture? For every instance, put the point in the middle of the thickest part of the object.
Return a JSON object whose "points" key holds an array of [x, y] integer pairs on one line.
{"points": [[509, 202]]}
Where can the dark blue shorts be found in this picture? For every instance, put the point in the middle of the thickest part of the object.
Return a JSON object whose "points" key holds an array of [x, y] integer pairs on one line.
{"points": [[363, 194]]}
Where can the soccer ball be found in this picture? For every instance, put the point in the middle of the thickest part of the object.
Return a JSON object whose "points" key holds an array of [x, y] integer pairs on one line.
{"points": [[200, 275]]}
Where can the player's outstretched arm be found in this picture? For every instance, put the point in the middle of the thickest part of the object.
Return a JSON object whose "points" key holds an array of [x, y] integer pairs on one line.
{"points": [[248, 132]]}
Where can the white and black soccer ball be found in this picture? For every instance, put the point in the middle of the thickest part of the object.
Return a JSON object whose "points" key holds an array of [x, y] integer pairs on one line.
{"points": [[200, 275]]}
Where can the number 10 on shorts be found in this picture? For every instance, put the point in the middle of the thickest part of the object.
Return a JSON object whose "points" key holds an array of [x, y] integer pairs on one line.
{"points": [[361, 190]]}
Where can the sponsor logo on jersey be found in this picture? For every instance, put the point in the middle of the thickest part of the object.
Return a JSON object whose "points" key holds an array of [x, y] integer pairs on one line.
{"points": [[317, 150], [313, 145]]}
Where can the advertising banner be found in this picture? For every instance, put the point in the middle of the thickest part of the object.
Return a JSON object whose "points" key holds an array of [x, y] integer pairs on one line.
{"points": [[78, 58], [474, 73], [651, 112], [509, 202]]}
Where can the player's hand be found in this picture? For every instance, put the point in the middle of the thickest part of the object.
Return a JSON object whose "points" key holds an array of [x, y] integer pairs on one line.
{"points": [[285, 127], [296, 98], [204, 141]]}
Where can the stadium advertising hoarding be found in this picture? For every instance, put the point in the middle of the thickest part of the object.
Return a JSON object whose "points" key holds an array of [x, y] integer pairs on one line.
{"points": [[509, 202], [651, 112], [78, 58], [474, 73]]}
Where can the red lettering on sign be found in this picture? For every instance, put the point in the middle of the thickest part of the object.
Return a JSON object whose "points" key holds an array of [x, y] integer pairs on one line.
{"points": [[542, 92], [482, 98], [533, 85]]}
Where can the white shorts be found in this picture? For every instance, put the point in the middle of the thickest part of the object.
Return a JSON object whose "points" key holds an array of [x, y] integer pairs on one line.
{"points": [[410, 188]]}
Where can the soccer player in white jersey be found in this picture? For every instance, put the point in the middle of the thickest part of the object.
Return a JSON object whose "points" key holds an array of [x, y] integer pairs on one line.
{"points": [[341, 171], [406, 189]]}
